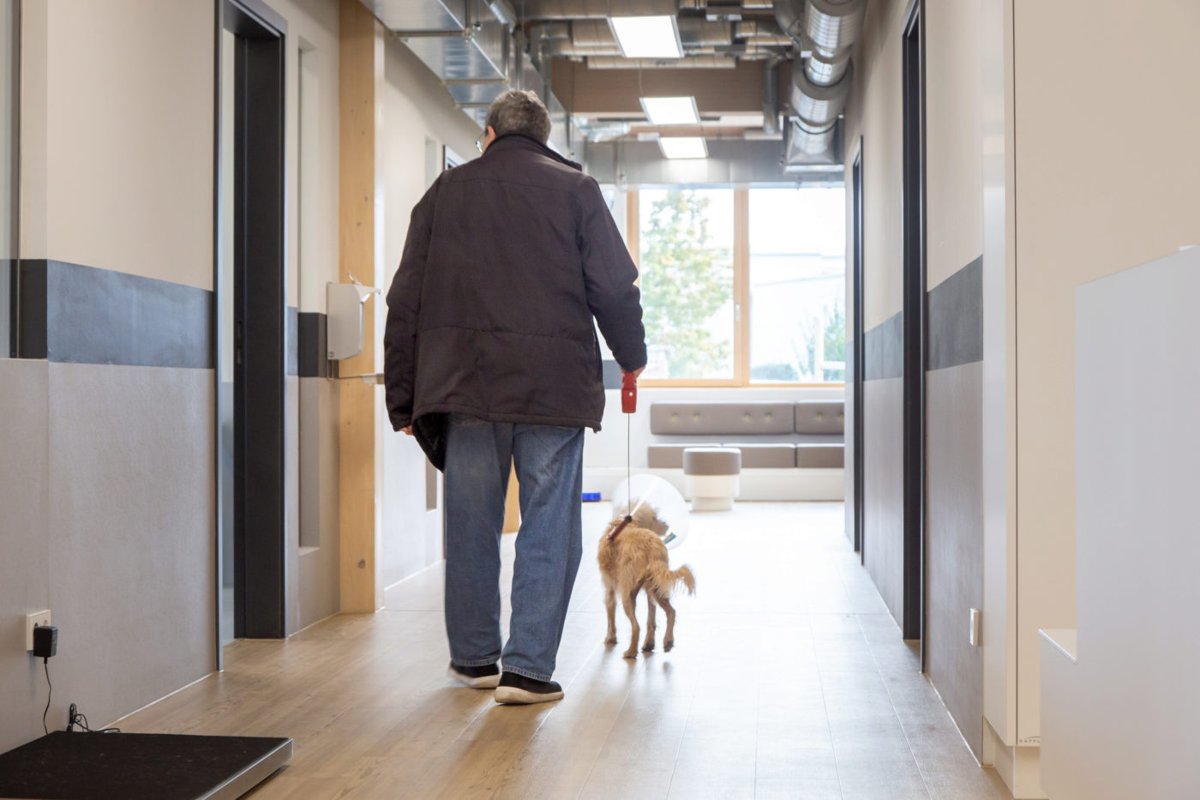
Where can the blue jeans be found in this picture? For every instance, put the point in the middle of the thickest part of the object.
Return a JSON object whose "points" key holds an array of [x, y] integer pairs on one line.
{"points": [[549, 467]]}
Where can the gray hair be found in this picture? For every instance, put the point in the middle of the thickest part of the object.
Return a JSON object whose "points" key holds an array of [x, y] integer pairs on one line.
{"points": [[519, 112]]}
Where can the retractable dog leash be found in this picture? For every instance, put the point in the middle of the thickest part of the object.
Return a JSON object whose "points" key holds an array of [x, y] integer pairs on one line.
{"points": [[629, 408]]}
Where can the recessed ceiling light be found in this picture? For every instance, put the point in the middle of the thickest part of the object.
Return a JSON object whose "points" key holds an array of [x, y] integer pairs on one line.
{"points": [[671, 110], [683, 147], [647, 37]]}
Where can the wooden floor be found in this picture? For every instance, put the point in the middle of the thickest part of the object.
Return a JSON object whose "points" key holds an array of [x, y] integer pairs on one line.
{"points": [[788, 680]]}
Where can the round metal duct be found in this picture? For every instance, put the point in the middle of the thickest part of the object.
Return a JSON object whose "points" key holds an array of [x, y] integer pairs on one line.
{"points": [[790, 16], [808, 145], [817, 105], [833, 25], [826, 70]]}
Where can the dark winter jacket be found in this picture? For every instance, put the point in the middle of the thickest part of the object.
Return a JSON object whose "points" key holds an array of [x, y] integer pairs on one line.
{"points": [[507, 260]]}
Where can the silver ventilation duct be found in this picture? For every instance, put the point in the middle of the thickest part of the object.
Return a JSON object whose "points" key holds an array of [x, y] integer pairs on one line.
{"points": [[771, 97], [804, 147], [789, 15], [819, 106], [833, 25], [825, 70], [825, 30]]}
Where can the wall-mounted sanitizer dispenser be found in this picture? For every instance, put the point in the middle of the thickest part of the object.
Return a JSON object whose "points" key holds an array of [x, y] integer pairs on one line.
{"points": [[344, 306]]}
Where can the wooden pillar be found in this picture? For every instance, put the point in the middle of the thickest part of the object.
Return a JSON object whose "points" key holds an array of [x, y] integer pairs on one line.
{"points": [[360, 80]]}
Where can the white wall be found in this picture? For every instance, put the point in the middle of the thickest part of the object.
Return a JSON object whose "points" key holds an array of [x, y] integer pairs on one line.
{"points": [[419, 118], [1117, 718], [1087, 205]]}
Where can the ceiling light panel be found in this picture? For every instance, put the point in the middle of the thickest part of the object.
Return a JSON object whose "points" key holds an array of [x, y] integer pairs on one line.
{"points": [[683, 147], [671, 110], [647, 37]]}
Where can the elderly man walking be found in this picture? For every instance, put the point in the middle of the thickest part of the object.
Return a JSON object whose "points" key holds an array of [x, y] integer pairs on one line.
{"points": [[491, 359]]}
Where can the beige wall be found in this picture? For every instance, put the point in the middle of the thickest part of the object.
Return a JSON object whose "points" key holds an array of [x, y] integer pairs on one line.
{"points": [[419, 117], [954, 168], [312, 155], [1090, 200], [118, 167], [312, 147], [874, 114]]}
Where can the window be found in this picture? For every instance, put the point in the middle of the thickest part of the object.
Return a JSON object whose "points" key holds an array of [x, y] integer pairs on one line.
{"points": [[742, 286], [797, 285], [686, 266]]}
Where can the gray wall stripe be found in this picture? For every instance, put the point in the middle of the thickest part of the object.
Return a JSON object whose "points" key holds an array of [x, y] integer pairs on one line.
{"points": [[84, 315], [955, 319], [313, 355], [884, 348]]}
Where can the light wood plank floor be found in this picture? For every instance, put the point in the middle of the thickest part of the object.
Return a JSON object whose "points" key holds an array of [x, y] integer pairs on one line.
{"points": [[788, 680]]}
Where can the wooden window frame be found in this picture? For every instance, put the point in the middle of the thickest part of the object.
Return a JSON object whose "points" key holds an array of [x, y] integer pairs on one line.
{"points": [[741, 301]]}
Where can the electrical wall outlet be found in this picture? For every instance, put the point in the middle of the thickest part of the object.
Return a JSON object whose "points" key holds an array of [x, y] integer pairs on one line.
{"points": [[976, 635], [32, 621]]}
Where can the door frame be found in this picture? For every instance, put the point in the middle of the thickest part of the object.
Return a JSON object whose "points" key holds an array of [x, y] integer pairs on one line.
{"points": [[858, 388], [914, 315], [260, 317]]}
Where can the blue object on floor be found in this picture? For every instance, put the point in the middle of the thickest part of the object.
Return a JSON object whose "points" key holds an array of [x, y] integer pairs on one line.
{"points": [[591, 497]]}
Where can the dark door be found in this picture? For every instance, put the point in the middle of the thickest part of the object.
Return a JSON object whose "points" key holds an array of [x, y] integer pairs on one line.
{"points": [[251, 319], [914, 323]]}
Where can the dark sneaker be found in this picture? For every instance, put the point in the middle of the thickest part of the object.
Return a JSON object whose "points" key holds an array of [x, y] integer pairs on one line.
{"points": [[519, 690], [485, 677]]}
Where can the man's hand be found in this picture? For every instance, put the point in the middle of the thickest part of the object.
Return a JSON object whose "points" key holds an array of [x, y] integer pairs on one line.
{"points": [[636, 372], [407, 429]]}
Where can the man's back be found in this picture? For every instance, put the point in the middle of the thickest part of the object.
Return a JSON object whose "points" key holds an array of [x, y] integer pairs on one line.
{"points": [[508, 259]]}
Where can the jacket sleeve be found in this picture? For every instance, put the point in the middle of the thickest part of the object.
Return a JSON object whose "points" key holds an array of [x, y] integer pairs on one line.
{"points": [[609, 276], [404, 307]]}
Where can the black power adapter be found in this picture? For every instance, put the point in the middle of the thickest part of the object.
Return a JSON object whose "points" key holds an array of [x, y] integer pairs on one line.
{"points": [[45, 641]]}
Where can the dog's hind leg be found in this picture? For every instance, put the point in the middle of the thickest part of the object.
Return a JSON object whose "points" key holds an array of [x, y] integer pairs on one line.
{"points": [[669, 638], [610, 605], [648, 646], [630, 603]]}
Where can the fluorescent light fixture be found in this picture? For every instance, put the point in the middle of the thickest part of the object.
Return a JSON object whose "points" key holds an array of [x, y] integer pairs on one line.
{"points": [[647, 37], [683, 147], [671, 110]]}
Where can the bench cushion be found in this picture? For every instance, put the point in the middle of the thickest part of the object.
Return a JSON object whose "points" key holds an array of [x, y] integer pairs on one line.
{"points": [[666, 456], [818, 417], [735, 419], [712, 461], [820, 456], [767, 456]]}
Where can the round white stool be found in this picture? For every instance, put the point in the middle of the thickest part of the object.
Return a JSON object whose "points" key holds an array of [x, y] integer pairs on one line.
{"points": [[712, 476]]}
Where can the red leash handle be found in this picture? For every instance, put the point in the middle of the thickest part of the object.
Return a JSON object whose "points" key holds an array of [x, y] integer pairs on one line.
{"points": [[628, 393]]}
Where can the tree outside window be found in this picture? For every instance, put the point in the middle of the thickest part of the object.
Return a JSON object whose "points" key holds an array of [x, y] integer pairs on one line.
{"points": [[687, 282]]}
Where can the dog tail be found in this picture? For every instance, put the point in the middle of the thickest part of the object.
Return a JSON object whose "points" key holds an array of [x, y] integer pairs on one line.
{"points": [[665, 580]]}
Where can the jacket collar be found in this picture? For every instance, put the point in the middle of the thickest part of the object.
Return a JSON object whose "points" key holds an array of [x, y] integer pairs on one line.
{"points": [[518, 141]]}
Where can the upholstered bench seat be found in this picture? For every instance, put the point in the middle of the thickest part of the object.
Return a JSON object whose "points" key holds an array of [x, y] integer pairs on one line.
{"points": [[821, 456], [780, 455]]}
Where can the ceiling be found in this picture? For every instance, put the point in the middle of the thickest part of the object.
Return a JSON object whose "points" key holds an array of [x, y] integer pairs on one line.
{"points": [[765, 78]]}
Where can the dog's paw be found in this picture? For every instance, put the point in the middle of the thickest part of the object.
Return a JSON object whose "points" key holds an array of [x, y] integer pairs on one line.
{"points": [[610, 641], [668, 644], [648, 647], [631, 653]]}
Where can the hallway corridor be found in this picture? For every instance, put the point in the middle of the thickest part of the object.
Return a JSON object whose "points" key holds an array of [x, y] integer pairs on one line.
{"points": [[788, 680]]}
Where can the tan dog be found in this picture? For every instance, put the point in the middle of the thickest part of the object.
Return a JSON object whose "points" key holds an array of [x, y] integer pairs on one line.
{"points": [[633, 557]]}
